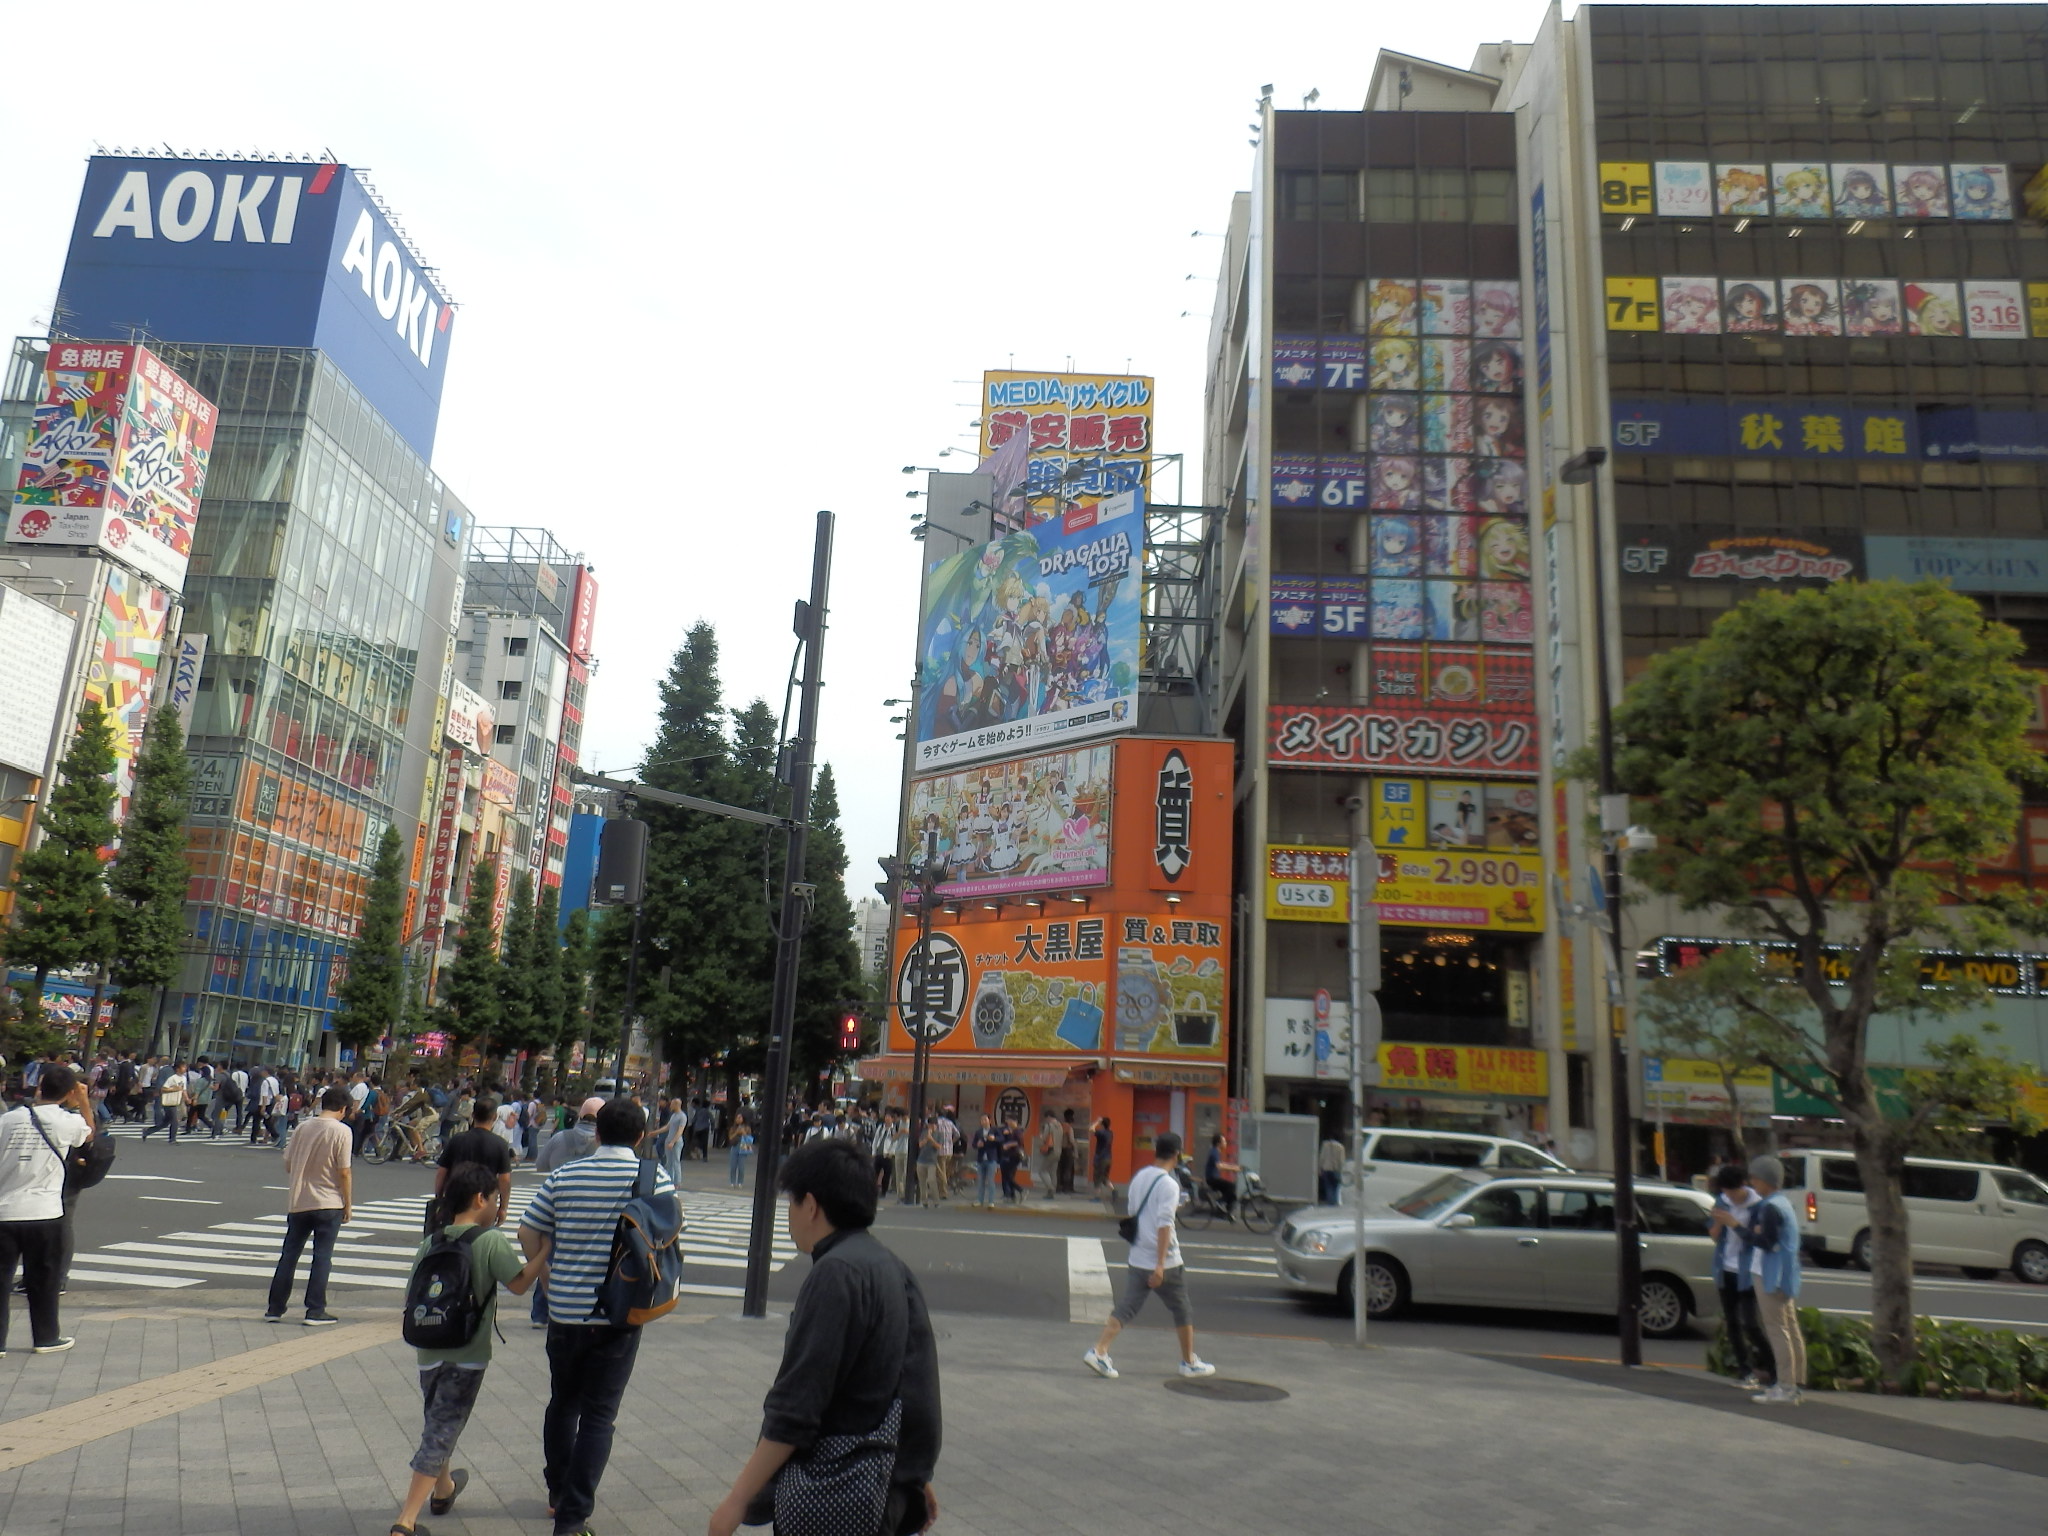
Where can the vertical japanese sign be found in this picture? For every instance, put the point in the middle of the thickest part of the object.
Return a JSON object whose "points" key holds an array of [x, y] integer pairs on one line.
{"points": [[184, 691], [443, 865], [1089, 435], [116, 459]]}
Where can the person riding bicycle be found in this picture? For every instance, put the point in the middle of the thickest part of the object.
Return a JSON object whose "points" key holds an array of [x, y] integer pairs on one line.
{"points": [[1212, 1175], [411, 1117]]}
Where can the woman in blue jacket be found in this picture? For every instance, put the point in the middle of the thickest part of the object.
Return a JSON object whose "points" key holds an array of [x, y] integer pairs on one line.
{"points": [[1769, 1234]]}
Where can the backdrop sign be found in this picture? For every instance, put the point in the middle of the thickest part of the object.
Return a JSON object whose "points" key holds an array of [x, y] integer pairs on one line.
{"points": [[1031, 640], [1087, 435], [1667, 554], [1032, 824]]}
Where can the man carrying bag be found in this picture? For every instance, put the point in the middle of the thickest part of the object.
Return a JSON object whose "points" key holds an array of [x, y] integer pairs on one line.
{"points": [[850, 1430]]}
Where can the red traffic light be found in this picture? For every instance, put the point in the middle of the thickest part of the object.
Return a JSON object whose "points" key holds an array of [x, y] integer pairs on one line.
{"points": [[849, 1032]]}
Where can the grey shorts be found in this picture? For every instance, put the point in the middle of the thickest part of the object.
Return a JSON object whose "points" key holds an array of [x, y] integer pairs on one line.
{"points": [[1172, 1291], [450, 1392]]}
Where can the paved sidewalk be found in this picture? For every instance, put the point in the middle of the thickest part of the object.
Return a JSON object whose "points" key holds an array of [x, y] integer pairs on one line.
{"points": [[1415, 1441]]}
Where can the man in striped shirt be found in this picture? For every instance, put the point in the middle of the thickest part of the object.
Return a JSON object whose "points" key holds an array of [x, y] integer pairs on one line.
{"points": [[589, 1361]]}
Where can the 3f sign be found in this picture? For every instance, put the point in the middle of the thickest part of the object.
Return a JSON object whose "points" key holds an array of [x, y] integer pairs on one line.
{"points": [[389, 283]]}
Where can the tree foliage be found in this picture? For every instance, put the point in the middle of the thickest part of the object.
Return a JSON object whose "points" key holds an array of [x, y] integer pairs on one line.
{"points": [[150, 873], [830, 981], [469, 991], [521, 1026], [1830, 768], [572, 1020], [550, 989], [63, 911], [371, 1003]]}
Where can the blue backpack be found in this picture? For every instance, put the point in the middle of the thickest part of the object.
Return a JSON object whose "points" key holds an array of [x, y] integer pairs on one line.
{"points": [[644, 1279]]}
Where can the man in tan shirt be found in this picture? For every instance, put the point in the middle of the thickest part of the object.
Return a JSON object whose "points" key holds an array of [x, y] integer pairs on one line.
{"points": [[316, 1167]]}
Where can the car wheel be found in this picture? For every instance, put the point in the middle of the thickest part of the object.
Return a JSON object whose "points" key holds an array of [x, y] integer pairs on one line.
{"points": [[1386, 1286], [1972, 1272], [2030, 1262], [1664, 1307], [1859, 1251]]}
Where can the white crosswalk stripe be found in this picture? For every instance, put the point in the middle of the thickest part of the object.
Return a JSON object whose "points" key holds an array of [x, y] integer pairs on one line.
{"points": [[375, 1249]]}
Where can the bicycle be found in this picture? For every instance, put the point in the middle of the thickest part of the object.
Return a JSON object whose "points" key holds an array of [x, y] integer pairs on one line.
{"points": [[1253, 1205], [390, 1145]]}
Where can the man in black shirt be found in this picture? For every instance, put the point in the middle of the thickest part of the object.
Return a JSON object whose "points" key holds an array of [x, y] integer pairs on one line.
{"points": [[479, 1144], [859, 1341]]}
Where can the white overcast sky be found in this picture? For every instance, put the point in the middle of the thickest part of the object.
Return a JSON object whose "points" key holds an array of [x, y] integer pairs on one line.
{"points": [[722, 266]]}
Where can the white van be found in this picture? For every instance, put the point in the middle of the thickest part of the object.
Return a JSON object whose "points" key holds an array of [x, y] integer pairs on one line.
{"points": [[1399, 1161], [1980, 1217]]}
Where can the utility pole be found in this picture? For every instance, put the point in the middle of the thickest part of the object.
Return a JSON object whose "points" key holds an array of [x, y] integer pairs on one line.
{"points": [[796, 901], [1365, 1038]]}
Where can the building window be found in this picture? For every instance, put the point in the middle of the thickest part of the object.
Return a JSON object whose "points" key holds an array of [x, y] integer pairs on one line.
{"points": [[1442, 197], [506, 734], [509, 690], [1326, 195], [1390, 196], [465, 645], [1493, 197], [515, 645]]}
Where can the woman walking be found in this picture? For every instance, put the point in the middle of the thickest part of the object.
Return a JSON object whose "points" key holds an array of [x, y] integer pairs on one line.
{"points": [[987, 1145]]}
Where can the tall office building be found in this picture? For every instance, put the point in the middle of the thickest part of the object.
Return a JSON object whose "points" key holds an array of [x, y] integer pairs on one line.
{"points": [[1778, 261]]}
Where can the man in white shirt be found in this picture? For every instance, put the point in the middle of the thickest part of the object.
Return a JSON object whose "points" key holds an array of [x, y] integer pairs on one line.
{"points": [[240, 1079], [269, 1103], [1153, 1200], [170, 1104], [33, 1144]]}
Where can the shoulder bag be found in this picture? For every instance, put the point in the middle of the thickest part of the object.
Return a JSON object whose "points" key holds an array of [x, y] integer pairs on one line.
{"points": [[84, 1166], [1127, 1229]]}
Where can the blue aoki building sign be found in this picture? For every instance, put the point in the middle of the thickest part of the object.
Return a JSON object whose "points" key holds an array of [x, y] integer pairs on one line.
{"points": [[261, 253]]}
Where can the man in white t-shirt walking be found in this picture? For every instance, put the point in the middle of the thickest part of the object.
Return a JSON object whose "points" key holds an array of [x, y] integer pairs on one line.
{"points": [[1155, 1264], [33, 1144], [170, 1104]]}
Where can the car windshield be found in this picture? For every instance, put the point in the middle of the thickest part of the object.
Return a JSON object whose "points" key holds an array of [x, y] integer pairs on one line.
{"points": [[1434, 1197]]}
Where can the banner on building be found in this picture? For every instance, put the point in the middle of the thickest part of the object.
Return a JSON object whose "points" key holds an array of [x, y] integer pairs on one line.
{"points": [[1031, 640], [1968, 565], [471, 723], [183, 693], [1485, 742], [1693, 1089], [1087, 435], [123, 665], [1308, 1037], [116, 459], [1471, 1071], [1427, 889], [1031, 824], [442, 868], [1767, 429], [35, 656], [1308, 884], [1662, 553]]}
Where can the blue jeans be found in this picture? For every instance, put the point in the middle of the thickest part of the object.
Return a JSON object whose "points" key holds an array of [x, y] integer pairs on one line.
{"points": [[322, 1227], [985, 1184], [588, 1368], [1327, 1181], [166, 1121], [736, 1166]]}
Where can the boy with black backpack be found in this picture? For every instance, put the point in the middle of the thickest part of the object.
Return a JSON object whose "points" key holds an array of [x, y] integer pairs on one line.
{"points": [[451, 1304]]}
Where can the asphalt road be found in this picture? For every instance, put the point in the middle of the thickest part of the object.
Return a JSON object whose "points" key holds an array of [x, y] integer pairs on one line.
{"points": [[203, 1220]]}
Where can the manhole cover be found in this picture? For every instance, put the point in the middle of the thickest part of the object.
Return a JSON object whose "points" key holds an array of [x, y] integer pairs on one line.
{"points": [[1222, 1389]]}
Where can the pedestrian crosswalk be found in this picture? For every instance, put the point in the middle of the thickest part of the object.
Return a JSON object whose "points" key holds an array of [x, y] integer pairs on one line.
{"points": [[375, 1249]]}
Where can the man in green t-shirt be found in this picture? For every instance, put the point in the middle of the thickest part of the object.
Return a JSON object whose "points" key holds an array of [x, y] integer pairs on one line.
{"points": [[451, 1378]]}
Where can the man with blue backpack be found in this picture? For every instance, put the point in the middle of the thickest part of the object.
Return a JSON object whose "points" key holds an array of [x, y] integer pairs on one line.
{"points": [[451, 1304], [611, 1225]]}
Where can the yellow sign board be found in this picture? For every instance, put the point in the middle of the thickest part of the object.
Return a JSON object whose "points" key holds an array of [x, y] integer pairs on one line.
{"points": [[1625, 187], [1308, 884], [1474, 1070], [1431, 888], [1685, 1069], [1632, 304]]}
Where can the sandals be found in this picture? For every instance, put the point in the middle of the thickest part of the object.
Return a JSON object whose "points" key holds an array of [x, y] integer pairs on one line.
{"points": [[438, 1506], [409, 1530]]}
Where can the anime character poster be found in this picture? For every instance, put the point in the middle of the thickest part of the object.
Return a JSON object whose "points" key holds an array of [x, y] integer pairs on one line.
{"points": [[1685, 189], [1501, 486], [1446, 365], [1979, 192], [1447, 423], [1497, 426], [1033, 636], [1742, 188], [1749, 304], [1446, 306], [1497, 367], [1811, 306], [1800, 190], [1862, 191], [1393, 424], [1995, 309], [1447, 485], [1029, 824], [1871, 307], [1395, 364], [1450, 545], [1452, 610], [1504, 549], [1497, 309], [1395, 484], [1396, 546], [1691, 306], [1920, 191], [1390, 306], [1505, 612], [1396, 610], [1933, 309]]}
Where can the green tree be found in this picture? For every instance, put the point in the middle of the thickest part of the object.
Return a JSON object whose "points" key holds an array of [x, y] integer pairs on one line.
{"points": [[150, 874], [1828, 768], [469, 989], [572, 1022], [1697, 1013], [829, 981], [520, 1025], [63, 911], [372, 999]]}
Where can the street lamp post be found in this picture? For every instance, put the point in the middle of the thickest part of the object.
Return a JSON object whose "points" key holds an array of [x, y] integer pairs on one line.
{"points": [[1584, 469], [927, 878]]}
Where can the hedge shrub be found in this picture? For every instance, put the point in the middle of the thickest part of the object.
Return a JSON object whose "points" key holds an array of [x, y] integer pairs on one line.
{"points": [[1956, 1361]]}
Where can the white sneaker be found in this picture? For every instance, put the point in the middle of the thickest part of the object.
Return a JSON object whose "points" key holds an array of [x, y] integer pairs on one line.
{"points": [[1101, 1365], [1197, 1368], [1773, 1395], [1753, 1382]]}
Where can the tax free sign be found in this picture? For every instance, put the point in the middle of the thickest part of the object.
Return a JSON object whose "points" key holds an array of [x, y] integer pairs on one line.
{"points": [[261, 253]]}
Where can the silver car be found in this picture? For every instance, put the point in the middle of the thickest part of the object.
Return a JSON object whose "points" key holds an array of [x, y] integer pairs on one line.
{"points": [[1477, 1238]]}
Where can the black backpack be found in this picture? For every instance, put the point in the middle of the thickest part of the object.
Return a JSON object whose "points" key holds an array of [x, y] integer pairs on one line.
{"points": [[441, 1306]]}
